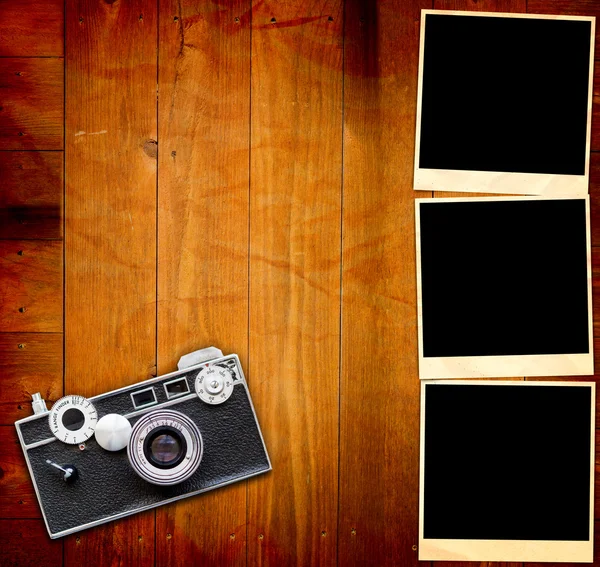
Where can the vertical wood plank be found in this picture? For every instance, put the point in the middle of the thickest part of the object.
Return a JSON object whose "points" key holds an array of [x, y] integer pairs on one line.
{"points": [[31, 200], [25, 543], [482, 5], [110, 230], [31, 28], [204, 113], [295, 235], [32, 104], [31, 285], [29, 363], [379, 426], [17, 496]]}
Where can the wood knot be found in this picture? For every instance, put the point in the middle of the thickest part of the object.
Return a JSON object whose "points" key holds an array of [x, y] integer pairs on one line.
{"points": [[151, 148]]}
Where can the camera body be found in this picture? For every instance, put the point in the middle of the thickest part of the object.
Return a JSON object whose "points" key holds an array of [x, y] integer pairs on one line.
{"points": [[119, 453]]}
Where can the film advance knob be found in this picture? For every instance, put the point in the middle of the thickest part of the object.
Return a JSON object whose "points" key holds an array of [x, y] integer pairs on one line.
{"points": [[113, 432]]}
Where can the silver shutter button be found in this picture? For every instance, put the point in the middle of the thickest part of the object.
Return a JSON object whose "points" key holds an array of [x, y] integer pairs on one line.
{"points": [[113, 432]]}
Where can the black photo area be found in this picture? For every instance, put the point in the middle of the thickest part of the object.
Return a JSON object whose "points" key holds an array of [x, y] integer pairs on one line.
{"points": [[504, 278], [507, 462], [505, 94]]}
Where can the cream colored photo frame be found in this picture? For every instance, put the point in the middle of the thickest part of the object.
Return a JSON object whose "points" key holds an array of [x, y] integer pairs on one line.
{"points": [[503, 365], [501, 182], [506, 550]]}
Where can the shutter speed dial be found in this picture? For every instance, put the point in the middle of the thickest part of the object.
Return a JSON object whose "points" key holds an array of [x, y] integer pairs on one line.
{"points": [[72, 419], [214, 385]]}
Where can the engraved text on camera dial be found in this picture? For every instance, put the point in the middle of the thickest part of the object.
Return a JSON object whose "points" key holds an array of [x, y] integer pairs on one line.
{"points": [[214, 384], [72, 419]]}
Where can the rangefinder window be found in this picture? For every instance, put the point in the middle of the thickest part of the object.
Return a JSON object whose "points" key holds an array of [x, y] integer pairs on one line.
{"points": [[143, 398], [176, 388]]}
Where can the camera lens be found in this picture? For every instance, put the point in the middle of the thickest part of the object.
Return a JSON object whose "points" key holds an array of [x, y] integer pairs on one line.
{"points": [[73, 419], [165, 447]]}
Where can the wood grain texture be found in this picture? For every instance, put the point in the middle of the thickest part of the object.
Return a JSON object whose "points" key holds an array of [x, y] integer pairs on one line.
{"points": [[568, 8], [31, 108], [482, 6], [25, 543], [379, 431], [123, 543], [595, 135], [596, 292], [110, 229], [29, 363], [32, 28], [31, 286], [295, 210], [31, 199], [17, 497], [595, 198], [204, 122]]}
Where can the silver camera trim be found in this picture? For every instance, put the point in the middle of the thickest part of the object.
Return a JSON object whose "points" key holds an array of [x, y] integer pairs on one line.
{"points": [[238, 383]]}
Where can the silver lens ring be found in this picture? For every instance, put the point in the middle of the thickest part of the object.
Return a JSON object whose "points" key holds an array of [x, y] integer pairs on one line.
{"points": [[187, 438]]}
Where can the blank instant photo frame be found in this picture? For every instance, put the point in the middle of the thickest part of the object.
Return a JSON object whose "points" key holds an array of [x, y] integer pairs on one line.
{"points": [[507, 471], [504, 287], [504, 103]]}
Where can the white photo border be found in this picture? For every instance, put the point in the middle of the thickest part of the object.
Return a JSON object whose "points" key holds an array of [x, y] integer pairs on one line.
{"points": [[543, 184], [506, 550], [503, 366]]}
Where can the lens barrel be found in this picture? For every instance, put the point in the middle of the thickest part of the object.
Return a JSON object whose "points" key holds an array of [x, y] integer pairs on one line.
{"points": [[165, 447]]}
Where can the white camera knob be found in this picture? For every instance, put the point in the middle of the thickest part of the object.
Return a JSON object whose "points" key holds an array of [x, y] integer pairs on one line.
{"points": [[113, 432]]}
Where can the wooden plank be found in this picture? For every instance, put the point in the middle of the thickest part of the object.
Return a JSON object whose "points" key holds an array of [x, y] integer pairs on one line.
{"points": [[25, 543], [31, 200], [595, 197], [29, 363], [31, 286], [31, 109], [110, 229], [595, 140], [203, 235], [125, 542], [596, 291], [295, 208], [570, 8], [32, 28], [379, 431], [482, 6], [17, 497]]}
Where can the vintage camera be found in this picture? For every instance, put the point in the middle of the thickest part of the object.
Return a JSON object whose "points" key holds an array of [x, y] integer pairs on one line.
{"points": [[93, 460]]}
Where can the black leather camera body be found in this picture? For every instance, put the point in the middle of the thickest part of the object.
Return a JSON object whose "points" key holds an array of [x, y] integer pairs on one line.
{"points": [[94, 460]]}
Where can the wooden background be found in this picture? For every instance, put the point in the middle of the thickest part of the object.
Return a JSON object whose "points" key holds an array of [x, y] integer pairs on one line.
{"points": [[237, 173]]}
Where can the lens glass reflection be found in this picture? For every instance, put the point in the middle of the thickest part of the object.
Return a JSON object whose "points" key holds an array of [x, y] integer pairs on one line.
{"points": [[165, 449]]}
